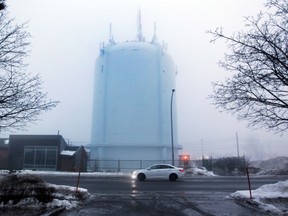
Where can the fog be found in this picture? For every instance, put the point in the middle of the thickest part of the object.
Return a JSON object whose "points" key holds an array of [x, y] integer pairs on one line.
{"points": [[65, 41]]}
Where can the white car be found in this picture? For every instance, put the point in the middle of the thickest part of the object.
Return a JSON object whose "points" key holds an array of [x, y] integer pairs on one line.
{"points": [[159, 171]]}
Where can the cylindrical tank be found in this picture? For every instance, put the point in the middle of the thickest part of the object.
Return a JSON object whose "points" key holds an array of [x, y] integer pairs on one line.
{"points": [[132, 98]]}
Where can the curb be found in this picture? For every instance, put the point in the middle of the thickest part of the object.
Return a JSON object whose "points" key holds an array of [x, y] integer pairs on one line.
{"points": [[54, 212], [259, 206]]}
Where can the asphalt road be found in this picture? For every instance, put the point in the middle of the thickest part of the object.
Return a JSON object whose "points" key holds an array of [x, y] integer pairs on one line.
{"points": [[125, 185], [191, 196]]}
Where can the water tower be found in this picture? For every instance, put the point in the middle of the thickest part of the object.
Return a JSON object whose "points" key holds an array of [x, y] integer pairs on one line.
{"points": [[134, 112]]}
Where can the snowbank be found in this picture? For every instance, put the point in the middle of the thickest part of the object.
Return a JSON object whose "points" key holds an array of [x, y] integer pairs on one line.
{"points": [[264, 196], [27, 191], [60, 173], [199, 171], [66, 196], [273, 166]]}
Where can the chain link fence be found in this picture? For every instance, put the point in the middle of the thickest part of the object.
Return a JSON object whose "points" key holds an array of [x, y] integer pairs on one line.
{"points": [[130, 165], [219, 165]]}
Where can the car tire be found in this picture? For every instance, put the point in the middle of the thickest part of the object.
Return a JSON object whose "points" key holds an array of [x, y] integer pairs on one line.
{"points": [[173, 177], [141, 177]]}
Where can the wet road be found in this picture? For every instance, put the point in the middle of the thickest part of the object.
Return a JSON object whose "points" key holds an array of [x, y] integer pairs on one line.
{"points": [[159, 204], [204, 196], [120, 185]]}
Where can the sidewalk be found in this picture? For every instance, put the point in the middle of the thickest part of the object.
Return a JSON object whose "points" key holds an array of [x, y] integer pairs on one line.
{"points": [[196, 204]]}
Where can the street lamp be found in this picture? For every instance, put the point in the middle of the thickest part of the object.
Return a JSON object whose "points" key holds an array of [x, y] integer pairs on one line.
{"points": [[171, 115]]}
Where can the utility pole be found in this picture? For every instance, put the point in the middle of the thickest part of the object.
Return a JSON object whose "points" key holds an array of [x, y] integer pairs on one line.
{"points": [[202, 153], [237, 145]]}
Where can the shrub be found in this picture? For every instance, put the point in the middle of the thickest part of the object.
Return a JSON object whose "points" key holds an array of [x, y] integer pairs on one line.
{"points": [[14, 187], [230, 166]]}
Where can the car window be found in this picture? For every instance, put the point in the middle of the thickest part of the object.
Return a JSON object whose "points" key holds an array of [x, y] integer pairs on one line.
{"points": [[166, 167], [155, 167]]}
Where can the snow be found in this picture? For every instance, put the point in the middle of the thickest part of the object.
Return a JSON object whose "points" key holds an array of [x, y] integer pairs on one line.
{"points": [[69, 200], [87, 174], [199, 171], [62, 196], [273, 166], [67, 152], [65, 195], [275, 191]]}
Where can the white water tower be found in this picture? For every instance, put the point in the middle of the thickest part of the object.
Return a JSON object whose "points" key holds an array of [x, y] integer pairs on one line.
{"points": [[133, 103]]}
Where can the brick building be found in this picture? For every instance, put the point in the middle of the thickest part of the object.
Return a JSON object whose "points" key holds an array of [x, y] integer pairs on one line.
{"points": [[42, 152]]}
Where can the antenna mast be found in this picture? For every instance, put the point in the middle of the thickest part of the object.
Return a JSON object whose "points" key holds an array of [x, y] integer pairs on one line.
{"points": [[139, 27], [111, 39], [154, 39]]}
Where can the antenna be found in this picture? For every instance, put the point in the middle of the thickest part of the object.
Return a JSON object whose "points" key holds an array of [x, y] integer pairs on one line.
{"points": [[111, 39], [154, 39], [139, 27], [110, 30]]}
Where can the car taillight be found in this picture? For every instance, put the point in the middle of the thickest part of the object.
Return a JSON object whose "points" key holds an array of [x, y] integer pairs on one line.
{"points": [[181, 170]]}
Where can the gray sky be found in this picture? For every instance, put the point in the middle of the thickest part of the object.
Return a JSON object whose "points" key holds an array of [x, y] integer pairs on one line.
{"points": [[65, 44]]}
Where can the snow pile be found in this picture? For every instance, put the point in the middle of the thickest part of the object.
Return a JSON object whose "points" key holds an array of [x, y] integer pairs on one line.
{"points": [[277, 194], [66, 196], [83, 174], [61, 173], [199, 171], [22, 191], [274, 166]]}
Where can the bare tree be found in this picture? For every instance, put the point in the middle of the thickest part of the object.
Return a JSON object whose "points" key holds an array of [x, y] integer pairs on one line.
{"points": [[257, 90], [2, 5], [21, 96]]}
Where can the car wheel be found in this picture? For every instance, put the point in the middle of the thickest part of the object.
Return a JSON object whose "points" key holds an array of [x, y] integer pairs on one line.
{"points": [[141, 177], [173, 177]]}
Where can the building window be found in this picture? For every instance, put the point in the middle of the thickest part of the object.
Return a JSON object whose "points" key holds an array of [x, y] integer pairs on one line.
{"points": [[40, 157]]}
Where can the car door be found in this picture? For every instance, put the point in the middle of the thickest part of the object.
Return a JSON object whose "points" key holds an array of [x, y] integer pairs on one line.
{"points": [[153, 171], [165, 171]]}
